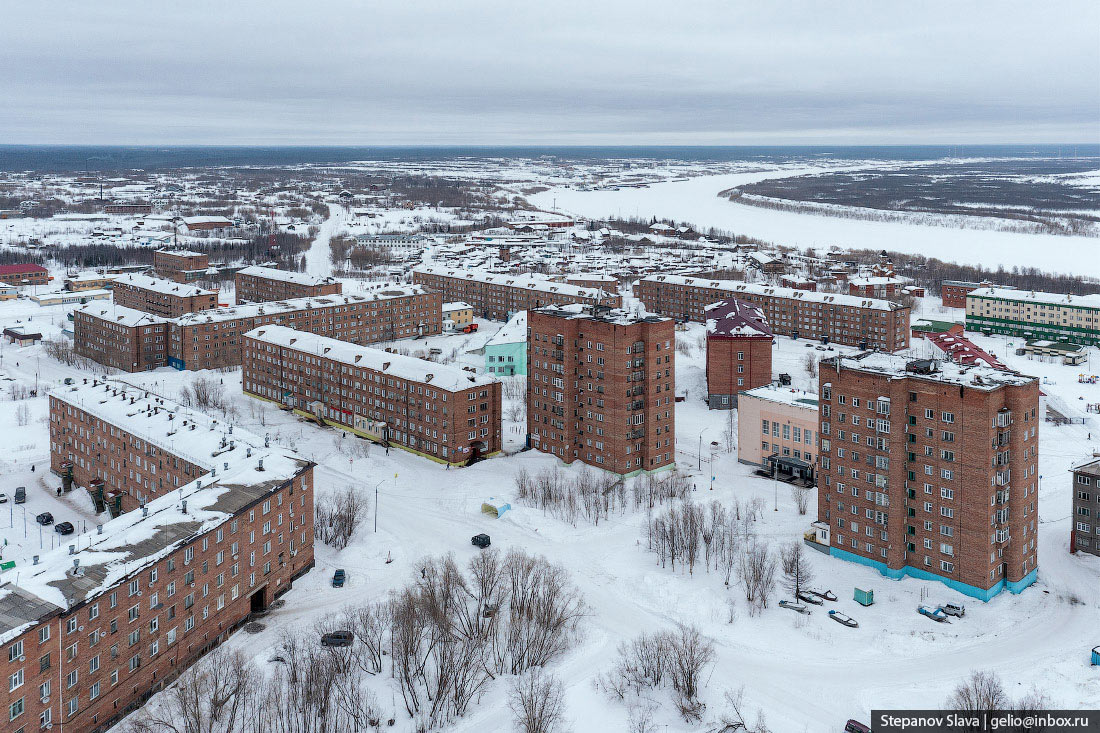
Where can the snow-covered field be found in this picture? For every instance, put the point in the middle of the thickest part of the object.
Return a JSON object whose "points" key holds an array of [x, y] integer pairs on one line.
{"points": [[696, 201], [806, 674]]}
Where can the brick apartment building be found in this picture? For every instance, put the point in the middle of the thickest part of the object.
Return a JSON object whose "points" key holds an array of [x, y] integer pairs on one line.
{"points": [[930, 470], [120, 337], [497, 297], [442, 412], [93, 629], [739, 351], [593, 281], [1085, 531], [181, 265], [843, 319], [211, 339], [258, 284], [139, 209], [25, 274], [165, 298], [953, 292], [601, 387], [876, 286]]}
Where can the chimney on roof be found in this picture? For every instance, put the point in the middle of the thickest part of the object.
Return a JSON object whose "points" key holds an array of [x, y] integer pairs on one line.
{"points": [[144, 511], [185, 506], [99, 529], [76, 566], [260, 465], [72, 549]]}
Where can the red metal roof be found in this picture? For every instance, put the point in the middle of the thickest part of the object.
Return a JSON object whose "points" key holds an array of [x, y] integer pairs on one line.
{"points": [[20, 269]]}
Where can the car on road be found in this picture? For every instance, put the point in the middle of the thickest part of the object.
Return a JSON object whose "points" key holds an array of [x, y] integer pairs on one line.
{"points": [[854, 726], [3, 498], [20, 494], [64, 528], [337, 638], [480, 540], [338, 578], [44, 518]]}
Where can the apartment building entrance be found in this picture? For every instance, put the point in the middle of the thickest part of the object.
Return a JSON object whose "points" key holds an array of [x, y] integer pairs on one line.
{"points": [[258, 601]]}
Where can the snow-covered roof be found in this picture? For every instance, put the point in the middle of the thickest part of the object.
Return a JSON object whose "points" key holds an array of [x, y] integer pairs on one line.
{"points": [[298, 278], [457, 305], [617, 316], [443, 376], [1033, 296], [180, 253], [591, 277], [512, 332], [120, 314], [135, 540], [517, 281], [163, 286], [734, 287], [784, 395], [733, 317], [193, 220], [862, 282], [384, 291], [90, 276], [975, 376]]}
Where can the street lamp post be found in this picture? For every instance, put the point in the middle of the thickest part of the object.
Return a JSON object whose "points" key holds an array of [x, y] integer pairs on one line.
{"points": [[775, 481]]}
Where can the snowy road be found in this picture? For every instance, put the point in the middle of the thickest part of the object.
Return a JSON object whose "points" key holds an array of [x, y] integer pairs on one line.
{"points": [[695, 201], [318, 261]]}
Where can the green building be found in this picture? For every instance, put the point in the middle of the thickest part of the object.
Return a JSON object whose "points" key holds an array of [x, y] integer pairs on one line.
{"points": [[506, 350], [1033, 315]]}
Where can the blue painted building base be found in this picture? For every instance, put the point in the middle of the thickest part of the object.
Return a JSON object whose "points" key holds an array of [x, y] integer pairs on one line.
{"points": [[982, 594]]}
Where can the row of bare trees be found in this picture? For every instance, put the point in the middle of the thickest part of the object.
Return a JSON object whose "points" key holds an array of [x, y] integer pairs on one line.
{"points": [[594, 496], [308, 689], [451, 632], [441, 639]]}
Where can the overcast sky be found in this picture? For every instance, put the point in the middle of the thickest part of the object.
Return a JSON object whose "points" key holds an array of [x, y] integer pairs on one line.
{"points": [[549, 72]]}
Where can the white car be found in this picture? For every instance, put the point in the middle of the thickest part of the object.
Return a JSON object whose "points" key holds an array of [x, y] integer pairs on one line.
{"points": [[3, 498]]}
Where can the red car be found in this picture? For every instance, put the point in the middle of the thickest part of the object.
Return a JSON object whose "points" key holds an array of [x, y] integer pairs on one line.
{"points": [[469, 328]]}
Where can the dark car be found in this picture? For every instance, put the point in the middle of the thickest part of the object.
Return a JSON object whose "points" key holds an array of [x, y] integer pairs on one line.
{"points": [[44, 518], [480, 540], [854, 726], [338, 578], [64, 528], [337, 638], [20, 494]]}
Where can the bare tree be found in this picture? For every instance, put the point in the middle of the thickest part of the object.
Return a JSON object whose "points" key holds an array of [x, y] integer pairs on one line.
{"points": [[797, 573], [809, 363], [981, 692], [207, 698], [537, 702], [801, 496], [691, 654], [336, 516], [756, 571], [734, 717]]}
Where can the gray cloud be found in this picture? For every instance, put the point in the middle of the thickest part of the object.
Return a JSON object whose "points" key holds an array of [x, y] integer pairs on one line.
{"points": [[600, 71]]}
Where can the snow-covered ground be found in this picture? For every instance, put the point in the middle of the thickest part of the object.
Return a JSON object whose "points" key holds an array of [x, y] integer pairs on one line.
{"points": [[696, 201], [806, 673]]}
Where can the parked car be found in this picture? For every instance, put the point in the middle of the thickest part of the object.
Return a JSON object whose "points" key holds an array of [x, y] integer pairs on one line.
{"points": [[64, 528], [3, 498], [854, 726], [469, 328], [480, 540], [44, 518], [954, 609], [20, 494], [337, 638], [338, 578]]}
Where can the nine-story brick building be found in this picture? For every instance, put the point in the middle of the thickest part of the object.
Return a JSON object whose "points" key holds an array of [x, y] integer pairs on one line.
{"points": [[930, 470], [601, 387]]}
